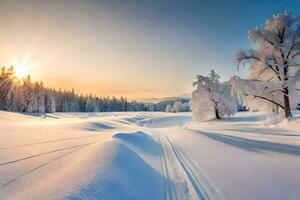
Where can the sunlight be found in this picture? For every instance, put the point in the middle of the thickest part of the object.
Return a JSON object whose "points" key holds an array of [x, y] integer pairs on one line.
{"points": [[20, 71]]}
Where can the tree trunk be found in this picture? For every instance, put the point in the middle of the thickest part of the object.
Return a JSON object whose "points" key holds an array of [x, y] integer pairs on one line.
{"points": [[287, 108], [217, 113]]}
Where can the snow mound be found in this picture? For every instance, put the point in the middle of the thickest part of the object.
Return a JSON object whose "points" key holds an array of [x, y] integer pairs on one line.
{"points": [[131, 120], [279, 121], [99, 126], [291, 124], [273, 120], [126, 176], [140, 141]]}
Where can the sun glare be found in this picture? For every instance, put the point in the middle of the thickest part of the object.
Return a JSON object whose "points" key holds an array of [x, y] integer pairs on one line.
{"points": [[20, 71]]}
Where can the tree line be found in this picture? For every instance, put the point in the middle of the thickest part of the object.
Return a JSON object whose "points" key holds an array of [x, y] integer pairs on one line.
{"points": [[24, 95]]}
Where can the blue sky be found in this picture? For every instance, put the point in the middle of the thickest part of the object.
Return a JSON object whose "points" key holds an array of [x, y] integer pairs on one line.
{"points": [[133, 48]]}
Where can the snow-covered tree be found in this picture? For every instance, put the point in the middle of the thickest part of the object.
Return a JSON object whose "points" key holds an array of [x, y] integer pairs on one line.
{"points": [[39, 97], [187, 107], [211, 99], [27, 96], [150, 107], [49, 102], [91, 105], [254, 94], [169, 108], [8, 87], [178, 106], [272, 74]]}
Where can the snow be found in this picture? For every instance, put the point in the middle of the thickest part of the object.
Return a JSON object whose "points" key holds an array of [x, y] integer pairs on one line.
{"points": [[147, 155], [292, 123]]}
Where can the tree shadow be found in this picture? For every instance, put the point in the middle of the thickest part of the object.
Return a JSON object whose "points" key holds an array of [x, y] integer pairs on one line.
{"points": [[266, 131], [254, 118], [253, 145]]}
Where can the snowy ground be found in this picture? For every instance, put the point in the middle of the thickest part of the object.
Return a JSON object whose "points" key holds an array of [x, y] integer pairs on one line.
{"points": [[147, 156]]}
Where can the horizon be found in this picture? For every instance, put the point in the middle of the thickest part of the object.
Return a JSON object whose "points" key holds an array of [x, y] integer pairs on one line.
{"points": [[134, 49]]}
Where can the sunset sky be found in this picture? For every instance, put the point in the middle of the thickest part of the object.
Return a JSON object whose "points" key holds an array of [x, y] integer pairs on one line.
{"points": [[133, 48]]}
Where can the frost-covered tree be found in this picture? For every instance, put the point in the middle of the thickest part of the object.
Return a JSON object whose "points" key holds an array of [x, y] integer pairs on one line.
{"points": [[49, 102], [186, 107], [8, 87], [254, 94], [39, 91], [212, 99], [27, 96], [272, 74], [91, 105], [178, 106], [169, 108]]}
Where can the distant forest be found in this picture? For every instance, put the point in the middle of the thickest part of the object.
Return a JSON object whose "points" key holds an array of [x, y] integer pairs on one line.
{"points": [[24, 95]]}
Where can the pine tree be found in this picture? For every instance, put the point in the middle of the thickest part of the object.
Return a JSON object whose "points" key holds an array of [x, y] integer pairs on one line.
{"points": [[49, 102]]}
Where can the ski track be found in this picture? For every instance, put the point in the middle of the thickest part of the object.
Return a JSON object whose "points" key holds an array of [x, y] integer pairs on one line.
{"points": [[44, 153], [182, 182], [38, 167], [52, 141]]}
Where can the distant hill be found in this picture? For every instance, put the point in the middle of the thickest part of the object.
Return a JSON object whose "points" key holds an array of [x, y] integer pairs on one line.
{"points": [[161, 106], [158, 100]]}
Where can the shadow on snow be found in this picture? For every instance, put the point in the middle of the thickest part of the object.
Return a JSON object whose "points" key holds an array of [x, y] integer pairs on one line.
{"points": [[253, 145]]}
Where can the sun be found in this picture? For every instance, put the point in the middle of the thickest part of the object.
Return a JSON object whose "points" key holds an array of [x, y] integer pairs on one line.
{"points": [[20, 71]]}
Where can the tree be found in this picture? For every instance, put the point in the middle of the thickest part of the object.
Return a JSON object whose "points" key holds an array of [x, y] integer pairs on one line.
{"points": [[178, 106], [49, 102], [8, 87], [274, 60], [258, 95], [91, 104], [27, 96], [169, 108], [211, 99], [186, 107], [39, 92]]}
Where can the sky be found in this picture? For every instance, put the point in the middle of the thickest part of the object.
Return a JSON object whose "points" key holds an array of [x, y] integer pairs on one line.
{"points": [[133, 48]]}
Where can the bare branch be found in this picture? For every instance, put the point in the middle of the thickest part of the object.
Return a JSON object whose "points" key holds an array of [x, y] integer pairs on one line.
{"points": [[264, 98], [279, 90]]}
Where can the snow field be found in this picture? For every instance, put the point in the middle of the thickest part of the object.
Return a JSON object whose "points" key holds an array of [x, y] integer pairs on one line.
{"points": [[147, 156]]}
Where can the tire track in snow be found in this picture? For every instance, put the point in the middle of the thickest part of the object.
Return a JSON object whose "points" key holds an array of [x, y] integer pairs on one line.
{"points": [[182, 182]]}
